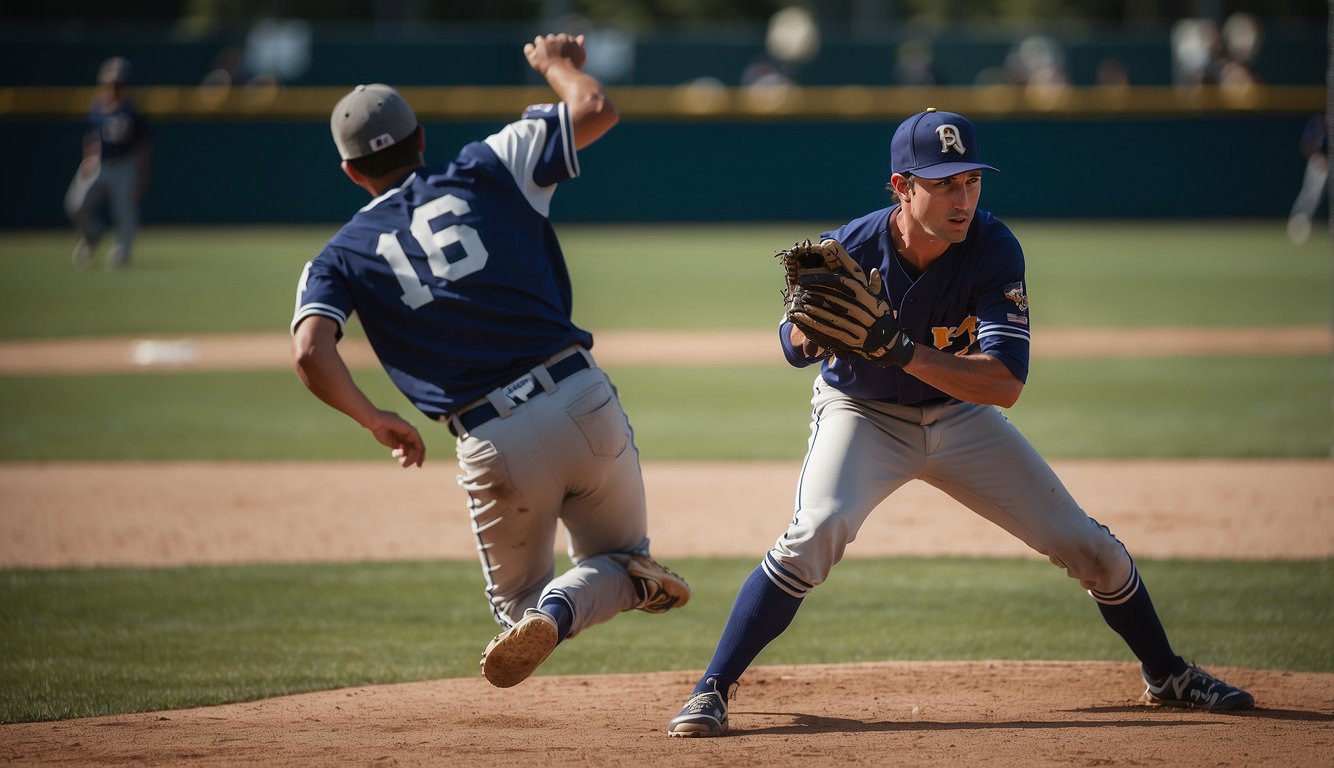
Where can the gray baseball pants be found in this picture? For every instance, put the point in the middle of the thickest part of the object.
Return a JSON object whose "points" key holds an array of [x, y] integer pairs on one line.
{"points": [[567, 454], [860, 451]]}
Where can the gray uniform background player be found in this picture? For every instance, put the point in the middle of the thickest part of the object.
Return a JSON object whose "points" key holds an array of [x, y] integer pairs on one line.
{"points": [[954, 277], [1314, 144], [460, 284], [114, 172]]}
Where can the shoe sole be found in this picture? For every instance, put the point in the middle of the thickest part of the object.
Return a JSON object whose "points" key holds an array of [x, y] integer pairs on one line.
{"points": [[515, 654], [705, 734], [694, 730], [1151, 701]]}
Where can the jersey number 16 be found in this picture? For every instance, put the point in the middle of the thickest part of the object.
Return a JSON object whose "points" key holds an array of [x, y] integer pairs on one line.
{"points": [[415, 292]]}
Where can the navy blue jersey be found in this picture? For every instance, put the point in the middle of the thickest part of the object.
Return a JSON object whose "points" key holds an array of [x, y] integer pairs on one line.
{"points": [[119, 130], [456, 274], [971, 299]]}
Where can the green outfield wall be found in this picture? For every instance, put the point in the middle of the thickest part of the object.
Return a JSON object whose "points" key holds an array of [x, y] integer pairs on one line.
{"points": [[718, 157]]}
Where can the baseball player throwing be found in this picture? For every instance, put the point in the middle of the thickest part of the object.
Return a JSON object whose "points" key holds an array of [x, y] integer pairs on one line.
{"points": [[117, 156], [919, 316], [463, 292]]}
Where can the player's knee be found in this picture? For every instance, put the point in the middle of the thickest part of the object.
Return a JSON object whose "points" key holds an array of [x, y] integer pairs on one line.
{"points": [[801, 561], [1098, 562]]}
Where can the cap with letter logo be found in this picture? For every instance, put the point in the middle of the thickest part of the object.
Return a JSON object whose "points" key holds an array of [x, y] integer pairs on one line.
{"points": [[934, 145], [370, 118]]}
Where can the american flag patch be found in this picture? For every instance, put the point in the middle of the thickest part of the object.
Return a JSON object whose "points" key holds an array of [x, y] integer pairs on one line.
{"points": [[380, 142], [1020, 319]]}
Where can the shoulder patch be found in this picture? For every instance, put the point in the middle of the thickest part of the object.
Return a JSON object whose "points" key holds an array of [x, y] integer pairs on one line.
{"points": [[1015, 292]]}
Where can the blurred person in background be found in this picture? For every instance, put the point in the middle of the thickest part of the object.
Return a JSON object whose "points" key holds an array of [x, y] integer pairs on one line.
{"points": [[914, 64], [111, 180], [1314, 143]]}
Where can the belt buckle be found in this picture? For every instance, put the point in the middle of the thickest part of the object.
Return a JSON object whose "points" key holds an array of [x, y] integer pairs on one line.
{"points": [[519, 390]]}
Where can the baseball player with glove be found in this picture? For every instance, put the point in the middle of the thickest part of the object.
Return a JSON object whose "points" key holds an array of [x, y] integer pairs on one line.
{"points": [[919, 340], [111, 179], [463, 292]]}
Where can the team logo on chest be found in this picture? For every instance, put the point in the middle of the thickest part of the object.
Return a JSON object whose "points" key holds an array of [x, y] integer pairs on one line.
{"points": [[947, 336], [950, 139]]}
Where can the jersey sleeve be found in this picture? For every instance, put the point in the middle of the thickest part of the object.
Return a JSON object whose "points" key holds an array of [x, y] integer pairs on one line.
{"points": [[323, 291], [1002, 314], [539, 152]]}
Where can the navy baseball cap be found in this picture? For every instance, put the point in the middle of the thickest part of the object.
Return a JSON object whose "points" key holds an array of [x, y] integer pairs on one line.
{"points": [[370, 118], [934, 145]]}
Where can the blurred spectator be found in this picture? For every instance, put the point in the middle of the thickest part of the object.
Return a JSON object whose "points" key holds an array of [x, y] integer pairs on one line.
{"points": [[1241, 38], [117, 154], [763, 71], [228, 69], [1112, 73], [915, 64], [1314, 143], [1196, 50], [1204, 55], [1037, 60], [280, 49], [793, 36]]}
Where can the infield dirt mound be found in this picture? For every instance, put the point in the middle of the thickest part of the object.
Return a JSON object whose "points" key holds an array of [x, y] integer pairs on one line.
{"points": [[922, 714]]}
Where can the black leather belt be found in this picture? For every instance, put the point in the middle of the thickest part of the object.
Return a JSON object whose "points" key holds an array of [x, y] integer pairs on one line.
{"points": [[562, 369]]}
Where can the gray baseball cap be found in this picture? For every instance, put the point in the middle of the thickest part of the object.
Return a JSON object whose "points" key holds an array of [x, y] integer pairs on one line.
{"points": [[370, 118]]}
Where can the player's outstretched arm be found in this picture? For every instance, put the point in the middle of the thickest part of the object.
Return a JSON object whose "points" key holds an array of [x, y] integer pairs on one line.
{"points": [[321, 368], [560, 59]]}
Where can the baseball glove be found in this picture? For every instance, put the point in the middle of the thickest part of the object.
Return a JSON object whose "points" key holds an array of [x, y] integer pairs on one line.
{"points": [[826, 258], [849, 316]]}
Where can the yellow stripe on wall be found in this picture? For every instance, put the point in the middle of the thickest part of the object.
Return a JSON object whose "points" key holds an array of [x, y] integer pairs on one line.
{"points": [[692, 102]]}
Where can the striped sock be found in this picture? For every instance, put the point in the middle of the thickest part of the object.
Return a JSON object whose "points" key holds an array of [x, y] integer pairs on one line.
{"points": [[558, 606], [761, 612], [1130, 612]]}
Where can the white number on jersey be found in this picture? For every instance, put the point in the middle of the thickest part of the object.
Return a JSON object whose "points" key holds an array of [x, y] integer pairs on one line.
{"points": [[416, 293]]}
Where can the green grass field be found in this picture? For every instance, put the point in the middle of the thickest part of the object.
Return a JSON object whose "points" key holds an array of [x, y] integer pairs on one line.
{"points": [[82, 642], [1108, 274]]}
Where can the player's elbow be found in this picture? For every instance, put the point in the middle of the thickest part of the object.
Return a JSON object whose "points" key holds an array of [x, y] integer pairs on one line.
{"points": [[1007, 393], [593, 117], [305, 359], [310, 357]]}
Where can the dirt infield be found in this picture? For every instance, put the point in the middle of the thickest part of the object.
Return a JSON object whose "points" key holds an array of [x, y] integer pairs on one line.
{"points": [[673, 348], [911, 714], [180, 513], [923, 714]]}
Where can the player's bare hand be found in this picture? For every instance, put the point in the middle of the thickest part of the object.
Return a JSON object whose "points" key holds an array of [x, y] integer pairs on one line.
{"points": [[803, 344], [546, 49], [393, 432]]}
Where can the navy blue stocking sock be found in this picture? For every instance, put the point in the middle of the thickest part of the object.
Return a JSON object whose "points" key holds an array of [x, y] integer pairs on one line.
{"points": [[760, 614], [1137, 623], [558, 607]]}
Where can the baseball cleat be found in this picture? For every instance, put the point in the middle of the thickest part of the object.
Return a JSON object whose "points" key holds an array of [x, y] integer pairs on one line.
{"points": [[704, 713], [1197, 689], [658, 587], [517, 652], [83, 254]]}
